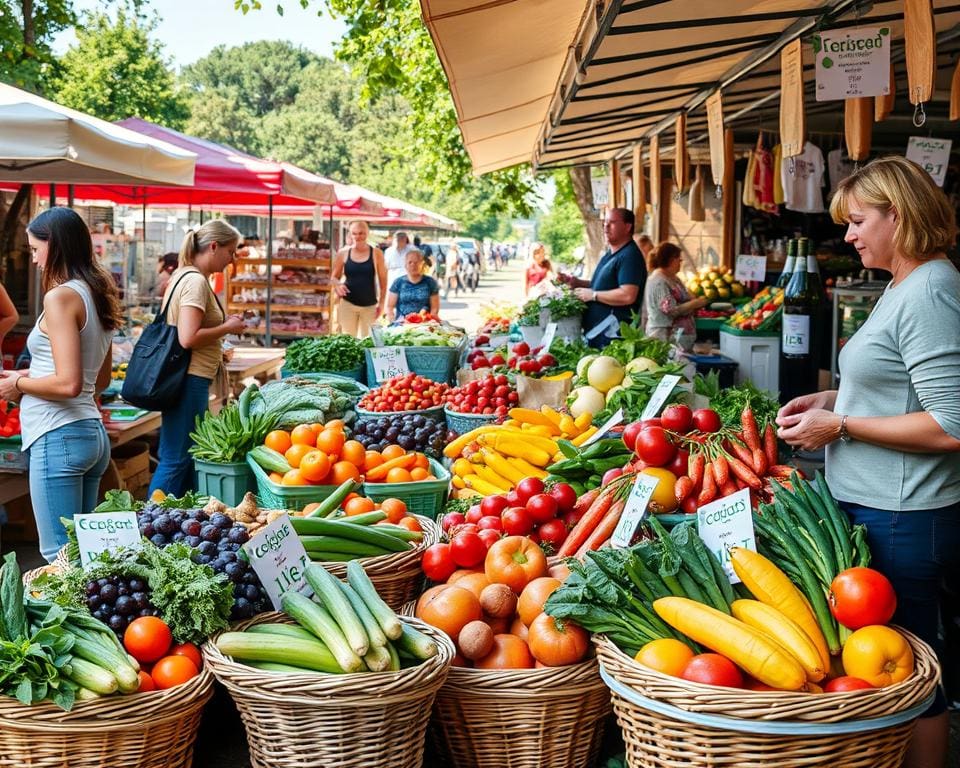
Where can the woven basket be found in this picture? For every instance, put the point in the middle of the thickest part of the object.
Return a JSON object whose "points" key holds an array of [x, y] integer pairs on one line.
{"points": [[461, 423], [668, 722], [142, 730], [397, 576], [422, 497], [371, 720], [434, 363]]}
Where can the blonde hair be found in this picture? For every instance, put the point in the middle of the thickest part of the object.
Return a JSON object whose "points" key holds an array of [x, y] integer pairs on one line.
{"points": [[197, 240], [362, 224], [926, 223]]}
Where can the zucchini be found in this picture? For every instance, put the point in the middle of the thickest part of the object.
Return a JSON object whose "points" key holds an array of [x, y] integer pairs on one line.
{"points": [[243, 404], [404, 534], [86, 674], [339, 544], [332, 503], [308, 654], [378, 659], [316, 619], [85, 694], [394, 658], [287, 630], [317, 556], [357, 578], [318, 526], [273, 666], [107, 658], [377, 638], [327, 591], [270, 460], [367, 518], [416, 644]]}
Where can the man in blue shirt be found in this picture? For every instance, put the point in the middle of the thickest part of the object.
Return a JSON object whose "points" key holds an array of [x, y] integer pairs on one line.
{"points": [[617, 284]]}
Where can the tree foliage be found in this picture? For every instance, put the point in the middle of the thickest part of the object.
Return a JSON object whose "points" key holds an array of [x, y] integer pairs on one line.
{"points": [[561, 228], [27, 28], [116, 71]]}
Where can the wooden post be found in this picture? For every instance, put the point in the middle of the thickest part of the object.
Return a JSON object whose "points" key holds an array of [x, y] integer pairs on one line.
{"points": [[616, 188], [639, 187], [728, 231], [655, 178], [883, 105]]}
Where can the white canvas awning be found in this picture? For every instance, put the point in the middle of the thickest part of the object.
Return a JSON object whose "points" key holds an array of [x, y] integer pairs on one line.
{"points": [[43, 142]]}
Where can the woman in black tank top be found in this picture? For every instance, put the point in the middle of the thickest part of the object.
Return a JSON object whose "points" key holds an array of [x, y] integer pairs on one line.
{"points": [[363, 271]]}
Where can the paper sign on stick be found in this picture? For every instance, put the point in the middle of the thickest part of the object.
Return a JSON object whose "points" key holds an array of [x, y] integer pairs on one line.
{"points": [[389, 362], [725, 523], [279, 559], [635, 510], [105, 532], [659, 397], [751, 268]]}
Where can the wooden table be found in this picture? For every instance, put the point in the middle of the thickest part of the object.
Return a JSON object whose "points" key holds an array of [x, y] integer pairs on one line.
{"points": [[254, 362], [121, 432], [13, 485]]}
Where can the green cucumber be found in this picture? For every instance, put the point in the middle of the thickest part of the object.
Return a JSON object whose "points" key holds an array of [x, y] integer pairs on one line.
{"points": [[416, 644], [373, 630], [270, 460], [85, 694], [318, 526], [394, 658], [332, 503], [86, 674], [308, 654], [367, 518], [404, 534], [357, 578], [340, 544], [108, 658], [272, 666], [317, 556], [315, 618], [287, 630], [327, 591], [378, 659]]}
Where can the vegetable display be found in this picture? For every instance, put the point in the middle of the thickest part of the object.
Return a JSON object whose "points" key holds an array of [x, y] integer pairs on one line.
{"points": [[428, 333], [9, 419], [336, 352], [226, 437], [585, 467], [493, 394], [762, 313], [297, 400], [409, 392]]}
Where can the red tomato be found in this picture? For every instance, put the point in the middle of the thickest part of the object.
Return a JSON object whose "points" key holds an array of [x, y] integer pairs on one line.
{"points": [[706, 420], [846, 683], [494, 505], [654, 447], [452, 520], [528, 487], [488, 536], [713, 669], [610, 475], [437, 562], [490, 522], [147, 638], [656, 422], [475, 513], [517, 521], [552, 532], [565, 497], [677, 418], [467, 549], [542, 507], [190, 651], [513, 500], [860, 597], [678, 465], [630, 433]]}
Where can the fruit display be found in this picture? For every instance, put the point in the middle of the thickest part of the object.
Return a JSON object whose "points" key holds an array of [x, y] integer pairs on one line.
{"points": [[604, 385], [9, 419], [761, 313], [494, 611], [118, 600], [714, 283], [412, 432], [345, 628], [421, 333], [149, 641], [404, 393], [311, 454], [493, 394]]}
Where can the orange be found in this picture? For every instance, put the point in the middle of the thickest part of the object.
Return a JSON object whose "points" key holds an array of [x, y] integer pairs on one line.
{"points": [[396, 509], [335, 424], [293, 477], [358, 506], [399, 475], [665, 655], [354, 452], [309, 508], [419, 473], [315, 466], [279, 440], [450, 610], [348, 498], [331, 441], [410, 523], [343, 471], [275, 477], [372, 459], [392, 452], [296, 453], [533, 596], [421, 461], [303, 435]]}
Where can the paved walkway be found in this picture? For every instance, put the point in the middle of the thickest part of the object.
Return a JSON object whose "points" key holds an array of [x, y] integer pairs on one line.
{"points": [[505, 285]]}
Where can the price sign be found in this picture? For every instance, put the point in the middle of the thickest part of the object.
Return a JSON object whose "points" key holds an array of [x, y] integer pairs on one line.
{"points": [[933, 155], [389, 362], [852, 63], [105, 532], [279, 559], [751, 268], [610, 327], [635, 510], [549, 335], [659, 397], [725, 523], [607, 426]]}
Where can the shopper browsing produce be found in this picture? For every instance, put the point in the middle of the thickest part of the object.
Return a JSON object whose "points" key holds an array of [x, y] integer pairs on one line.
{"points": [[892, 430], [667, 307], [363, 272], [413, 292], [538, 270], [201, 323], [70, 361]]}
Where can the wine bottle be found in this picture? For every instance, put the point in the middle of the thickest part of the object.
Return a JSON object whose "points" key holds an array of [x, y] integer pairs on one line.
{"points": [[813, 276], [788, 264], [799, 354]]}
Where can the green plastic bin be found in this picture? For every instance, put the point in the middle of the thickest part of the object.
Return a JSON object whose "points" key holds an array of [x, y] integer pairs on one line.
{"points": [[227, 482], [272, 495], [423, 497]]}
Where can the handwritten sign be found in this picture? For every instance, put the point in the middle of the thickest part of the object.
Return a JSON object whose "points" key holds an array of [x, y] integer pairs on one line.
{"points": [[635, 510], [105, 532], [610, 326], [725, 523], [852, 63], [389, 362], [607, 426], [549, 334], [751, 268], [659, 397], [279, 559], [933, 155]]}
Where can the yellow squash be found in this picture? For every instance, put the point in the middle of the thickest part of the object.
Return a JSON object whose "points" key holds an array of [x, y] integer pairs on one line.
{"points": [[783, 631], [481, 486], [501, 466]]}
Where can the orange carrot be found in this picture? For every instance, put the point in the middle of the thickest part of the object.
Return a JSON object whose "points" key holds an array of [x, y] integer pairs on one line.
{"points": [[604, 530], [770, 445], [751, 434], [590, 520], [380, 472]]}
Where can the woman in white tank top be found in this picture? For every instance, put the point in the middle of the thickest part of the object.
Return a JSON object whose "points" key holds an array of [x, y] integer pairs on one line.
{"points": [[71, 361]]}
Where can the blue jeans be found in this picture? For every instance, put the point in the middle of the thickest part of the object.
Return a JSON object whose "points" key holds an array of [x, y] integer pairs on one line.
{"points": [[66, 465], [175, 475], [916, 550]]}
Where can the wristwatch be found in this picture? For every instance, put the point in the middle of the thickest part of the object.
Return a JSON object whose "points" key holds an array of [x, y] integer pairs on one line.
{"points": [[844, 435], [594, 295]]}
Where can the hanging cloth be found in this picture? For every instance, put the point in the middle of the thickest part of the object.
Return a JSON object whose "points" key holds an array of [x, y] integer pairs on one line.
{"points": [[695, 208], [763, 178], [749, 194], [778, 196]]}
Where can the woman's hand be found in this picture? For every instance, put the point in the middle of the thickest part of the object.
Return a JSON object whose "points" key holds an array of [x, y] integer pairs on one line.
{"points": [[234, 324], [810, 429], [341, 289], [798, 405], [8, 386], [584, 294]]}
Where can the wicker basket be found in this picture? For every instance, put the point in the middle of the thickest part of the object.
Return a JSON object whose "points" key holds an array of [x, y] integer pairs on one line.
{"points": [[142, 730], [371, 720], [434, 414], [397, 576], [422, 497], [668, 722], [461, 423]]}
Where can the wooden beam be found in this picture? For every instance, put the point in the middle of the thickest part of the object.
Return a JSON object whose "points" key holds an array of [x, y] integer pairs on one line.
{"points": [[728, 230], [639, 186]]}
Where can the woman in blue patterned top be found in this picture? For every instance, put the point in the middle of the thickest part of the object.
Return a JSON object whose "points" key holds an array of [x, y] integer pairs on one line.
{"points": [[413, 291]]}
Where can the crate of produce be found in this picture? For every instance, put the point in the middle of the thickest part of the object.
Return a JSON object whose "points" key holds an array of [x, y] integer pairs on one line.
{"points": [[434, 414], [155, 729], [667, 721], [358, 374], [271, 495], [361, 720], [761, 313], [12, 459], [422, 497], [461, 423]]}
